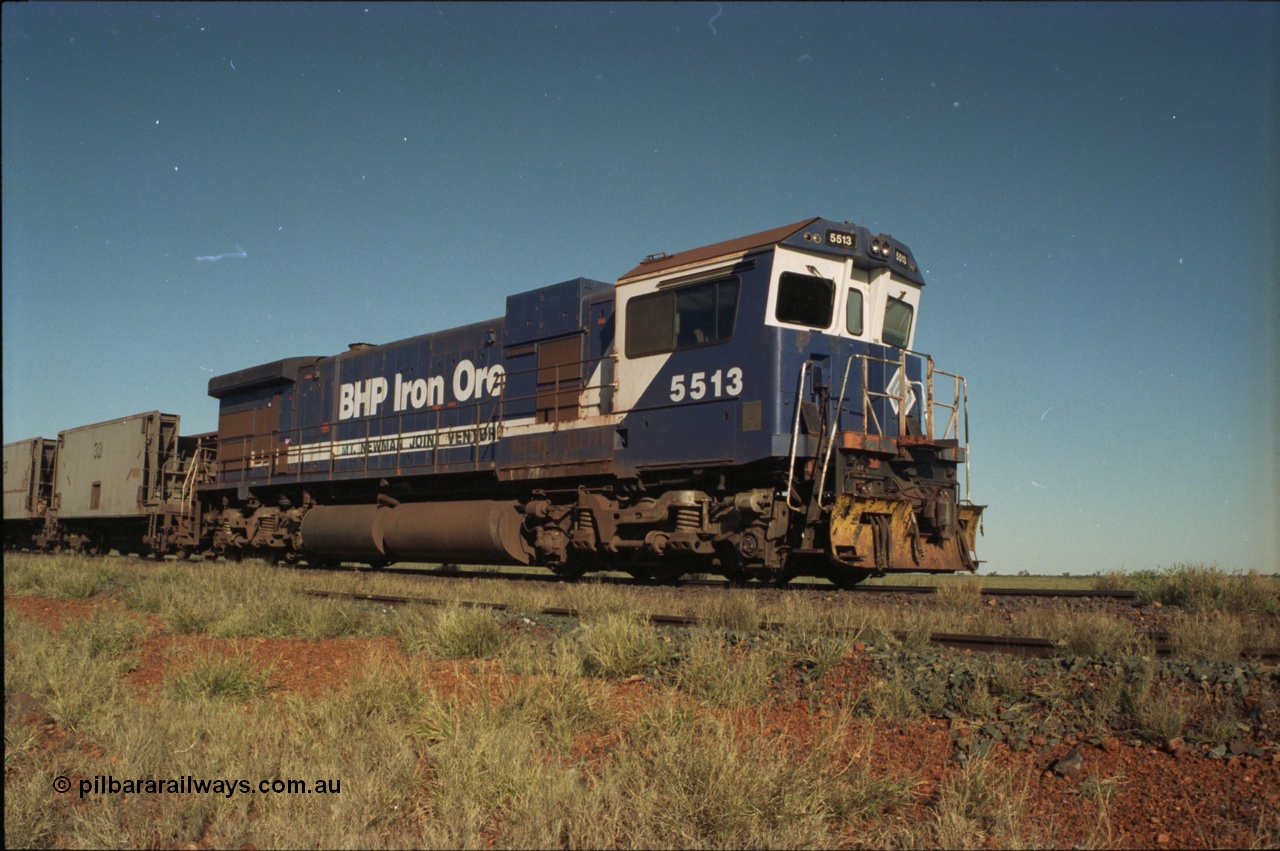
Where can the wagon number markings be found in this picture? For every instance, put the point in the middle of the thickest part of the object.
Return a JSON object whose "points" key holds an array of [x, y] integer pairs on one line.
{"points": [[723, 383]]}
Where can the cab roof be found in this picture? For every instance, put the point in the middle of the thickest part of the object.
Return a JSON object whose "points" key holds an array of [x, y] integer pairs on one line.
{"points": [[842, 239], [662, 262]]}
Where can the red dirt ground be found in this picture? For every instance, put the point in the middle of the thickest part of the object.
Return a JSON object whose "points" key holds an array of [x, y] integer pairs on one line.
{"points": [[1156, 799]]}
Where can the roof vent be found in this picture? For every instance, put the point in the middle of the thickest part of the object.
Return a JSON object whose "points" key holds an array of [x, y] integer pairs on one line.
{"points": [[356, 347], [654, 258]]}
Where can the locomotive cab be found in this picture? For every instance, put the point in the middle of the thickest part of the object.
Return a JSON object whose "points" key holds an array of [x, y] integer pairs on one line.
{"points": [[883, 485], [842, 300]]}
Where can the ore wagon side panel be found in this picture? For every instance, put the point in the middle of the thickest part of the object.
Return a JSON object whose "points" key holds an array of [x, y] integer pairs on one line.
{"points": [[28, 475], [112, 469]]}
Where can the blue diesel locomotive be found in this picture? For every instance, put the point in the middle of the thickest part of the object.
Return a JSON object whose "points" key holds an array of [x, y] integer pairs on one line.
{"points": [[752, 408]]}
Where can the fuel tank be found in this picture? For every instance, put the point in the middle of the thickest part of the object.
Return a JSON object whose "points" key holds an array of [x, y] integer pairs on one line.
{"points": [[470, 532]]}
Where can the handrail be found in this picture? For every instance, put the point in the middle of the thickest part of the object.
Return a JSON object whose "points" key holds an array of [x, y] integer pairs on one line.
{"points": [[795, 436], [965, 386], [187, 492], [866, 400], [956, 426], [929, 400], [831, 437], [186, 479], [900, 397]]}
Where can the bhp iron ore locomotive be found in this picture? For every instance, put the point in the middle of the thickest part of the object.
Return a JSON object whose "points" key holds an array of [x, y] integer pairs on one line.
{"points": [[752, 408]]}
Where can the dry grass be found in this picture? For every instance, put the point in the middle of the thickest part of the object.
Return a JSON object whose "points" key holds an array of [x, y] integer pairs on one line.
{"points": [[1199, 587], [1158, 713], [960, 592], [736, 609], [717, 673], [419, 769], [1114, 580], [978, 806], [216, 676], [892, 700], [618, 646], [64, 576], [1208, 636], [452, 631], [416, 768], [509, 767], [1082, 633]]}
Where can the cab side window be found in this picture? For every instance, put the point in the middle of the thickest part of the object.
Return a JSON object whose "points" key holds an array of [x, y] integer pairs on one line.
{"points": [[699, 315]]}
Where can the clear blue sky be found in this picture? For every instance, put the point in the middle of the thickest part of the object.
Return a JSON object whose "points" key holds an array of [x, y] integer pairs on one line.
{"points": [[1091, 190]]}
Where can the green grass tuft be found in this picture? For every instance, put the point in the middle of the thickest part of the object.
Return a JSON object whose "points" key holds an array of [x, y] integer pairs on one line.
{"points": [[452, 631], [1199, 587], [214, 676], [618, 645]]}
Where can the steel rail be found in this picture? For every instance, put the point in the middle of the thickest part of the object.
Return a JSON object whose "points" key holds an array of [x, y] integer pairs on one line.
{"points": [[1011, 645], [666, 620], [1004, 592]]}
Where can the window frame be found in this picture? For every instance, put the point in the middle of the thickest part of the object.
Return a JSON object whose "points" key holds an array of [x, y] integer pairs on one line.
{"points": [[911, 315], [779, 301], [862, 311], [672, 296]]}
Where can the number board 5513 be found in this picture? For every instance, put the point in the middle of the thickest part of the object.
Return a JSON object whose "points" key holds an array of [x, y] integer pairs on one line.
{"points": [[701, 386], [841, 239]]}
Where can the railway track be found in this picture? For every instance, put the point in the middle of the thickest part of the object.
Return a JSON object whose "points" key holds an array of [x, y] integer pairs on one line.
{"points": [[998, 592], [1014, 645], [1066, 593]]}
